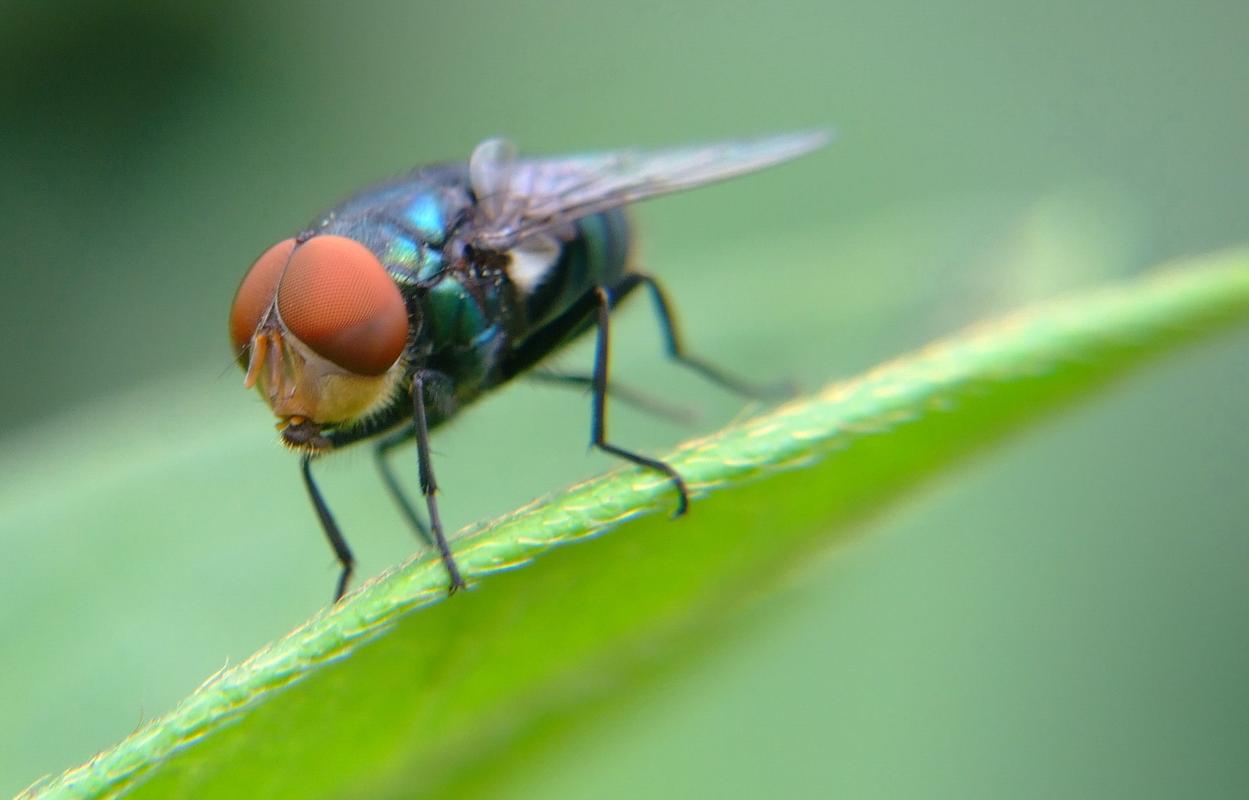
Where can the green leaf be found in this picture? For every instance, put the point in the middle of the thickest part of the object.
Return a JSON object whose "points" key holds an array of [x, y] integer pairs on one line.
{"points": [[370, 699]]}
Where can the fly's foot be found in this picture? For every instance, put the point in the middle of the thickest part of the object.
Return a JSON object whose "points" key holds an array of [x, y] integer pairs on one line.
{"points": [[457, 580], [683, 494]]}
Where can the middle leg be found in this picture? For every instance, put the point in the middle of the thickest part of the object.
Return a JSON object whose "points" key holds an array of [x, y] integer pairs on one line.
{"points": [[381, 456], [598, 414]]}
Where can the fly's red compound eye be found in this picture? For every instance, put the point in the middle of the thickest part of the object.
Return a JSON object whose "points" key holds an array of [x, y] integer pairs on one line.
{"points": [[337, 299], [255, 293]]}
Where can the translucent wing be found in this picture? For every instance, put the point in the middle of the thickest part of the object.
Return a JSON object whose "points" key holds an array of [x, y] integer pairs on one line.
{"points": [[520, 198]]}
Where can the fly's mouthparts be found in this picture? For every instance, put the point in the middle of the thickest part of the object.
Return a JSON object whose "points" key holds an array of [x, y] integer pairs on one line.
{"points": [[301, 433]]}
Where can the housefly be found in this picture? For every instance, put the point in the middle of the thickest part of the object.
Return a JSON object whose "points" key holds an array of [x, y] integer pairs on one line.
{"points": [[402, 305]]}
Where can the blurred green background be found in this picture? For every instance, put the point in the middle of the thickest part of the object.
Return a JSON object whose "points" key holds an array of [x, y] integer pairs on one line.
{"points": [[1064, 616]]}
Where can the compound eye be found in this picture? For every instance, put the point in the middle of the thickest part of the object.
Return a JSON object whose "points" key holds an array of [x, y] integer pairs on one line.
{"points": [[337, 299], [255, 293]]}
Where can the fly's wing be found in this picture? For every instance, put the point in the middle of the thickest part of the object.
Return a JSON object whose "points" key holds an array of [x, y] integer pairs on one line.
{"points": [[521, 198]]}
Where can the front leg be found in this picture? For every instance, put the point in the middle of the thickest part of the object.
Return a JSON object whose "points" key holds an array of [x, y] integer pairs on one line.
{"points": [[429, 487], [341, 550]]}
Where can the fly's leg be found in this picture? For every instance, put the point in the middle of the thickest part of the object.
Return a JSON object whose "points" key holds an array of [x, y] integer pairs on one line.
{"points": [[676, 348], [598, 414], [429, 487], [381, 454], [341, 550], [624, 394]]}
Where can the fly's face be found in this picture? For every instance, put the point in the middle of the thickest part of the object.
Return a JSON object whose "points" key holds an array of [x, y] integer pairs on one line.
{"points": [[321, 329]]}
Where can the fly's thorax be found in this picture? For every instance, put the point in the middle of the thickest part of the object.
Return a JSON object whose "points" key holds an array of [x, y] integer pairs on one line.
{"points": [[321, 330]]}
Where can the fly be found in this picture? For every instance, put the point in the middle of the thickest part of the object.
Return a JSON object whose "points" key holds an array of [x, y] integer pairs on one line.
{"points": [[404, 304]]}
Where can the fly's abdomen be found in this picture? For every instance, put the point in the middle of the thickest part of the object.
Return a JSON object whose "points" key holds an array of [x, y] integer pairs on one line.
{"points": [[597, 255]]}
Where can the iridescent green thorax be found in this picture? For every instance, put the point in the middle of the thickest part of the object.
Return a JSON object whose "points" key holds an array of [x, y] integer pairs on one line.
{"points": [[470, 309], [405, 222]]}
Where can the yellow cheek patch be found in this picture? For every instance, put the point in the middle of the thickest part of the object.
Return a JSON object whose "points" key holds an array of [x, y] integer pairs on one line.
{"points": [[347, 397], [301, 385]]}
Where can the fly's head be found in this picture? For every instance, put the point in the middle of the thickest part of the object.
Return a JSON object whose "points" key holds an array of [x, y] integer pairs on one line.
{"points": [[320, 329]]}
